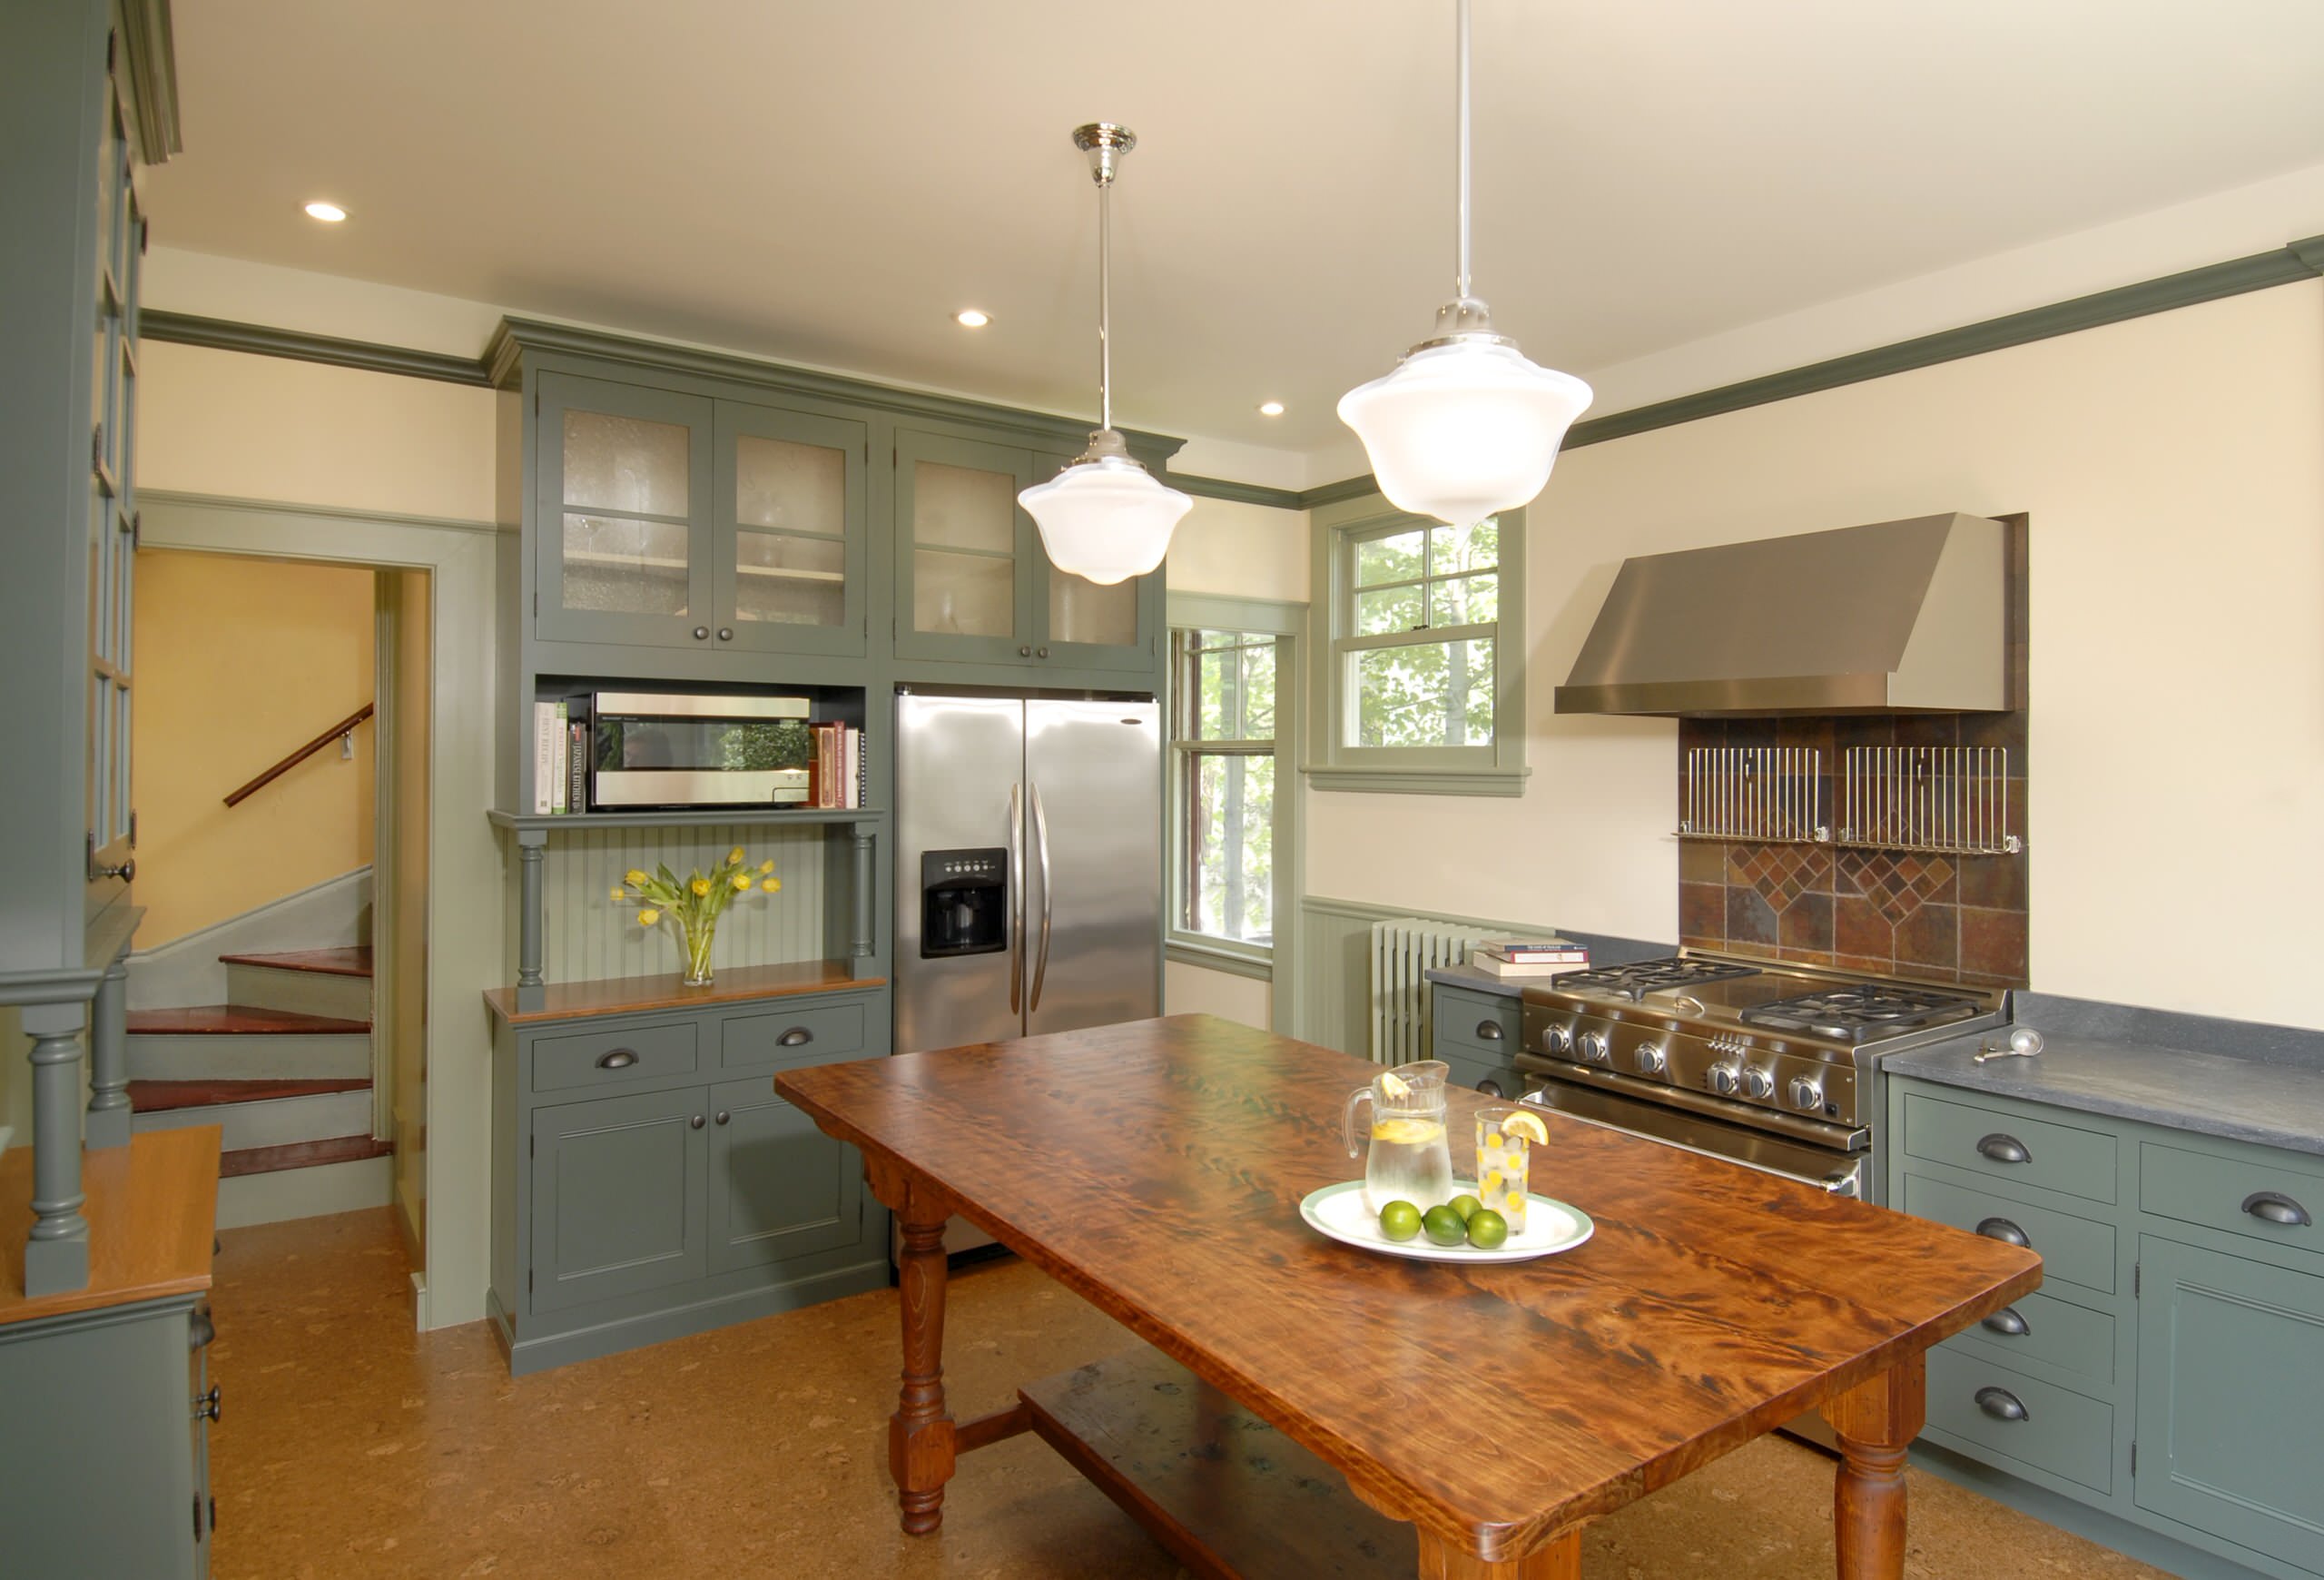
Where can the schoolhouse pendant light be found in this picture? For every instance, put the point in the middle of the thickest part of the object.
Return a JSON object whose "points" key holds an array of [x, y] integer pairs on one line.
{"points": [[1463, 425], [1105, 516]]}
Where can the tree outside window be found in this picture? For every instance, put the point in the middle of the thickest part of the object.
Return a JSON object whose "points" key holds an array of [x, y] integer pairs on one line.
{"points": [[1418, 635]]}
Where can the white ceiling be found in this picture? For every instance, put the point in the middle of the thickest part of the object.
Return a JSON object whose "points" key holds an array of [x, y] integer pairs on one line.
{"points": [[828, 182]]}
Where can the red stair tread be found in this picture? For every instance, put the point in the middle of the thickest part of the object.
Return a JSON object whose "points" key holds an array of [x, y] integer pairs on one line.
{"points": [[348, 961], [220, 1019], [301, 1155], [157, 1096]]}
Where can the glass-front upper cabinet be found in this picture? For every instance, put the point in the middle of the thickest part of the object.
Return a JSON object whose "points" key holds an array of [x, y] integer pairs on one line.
{"points": [[973, 584], [626, 498], [789, 544]]}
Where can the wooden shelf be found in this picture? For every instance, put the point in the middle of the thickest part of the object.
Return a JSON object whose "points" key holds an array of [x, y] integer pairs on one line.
{"points": [[574, 1001], [153, 1205], [735, 816]]}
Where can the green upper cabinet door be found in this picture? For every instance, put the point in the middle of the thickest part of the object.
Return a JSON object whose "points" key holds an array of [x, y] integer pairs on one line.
{"points": [[1080, 625], [789, 544], [625, 510], [964, 550]]}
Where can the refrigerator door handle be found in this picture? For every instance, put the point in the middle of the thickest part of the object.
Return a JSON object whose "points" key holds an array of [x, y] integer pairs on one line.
{"points": [[1042, 845], [1016, 902]]}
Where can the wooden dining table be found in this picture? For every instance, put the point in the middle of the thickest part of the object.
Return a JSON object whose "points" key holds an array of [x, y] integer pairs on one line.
{"points": [[1306, 1406]]}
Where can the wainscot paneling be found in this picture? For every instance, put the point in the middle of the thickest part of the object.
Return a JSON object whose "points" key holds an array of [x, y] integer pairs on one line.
{"points": [[591, 935]]}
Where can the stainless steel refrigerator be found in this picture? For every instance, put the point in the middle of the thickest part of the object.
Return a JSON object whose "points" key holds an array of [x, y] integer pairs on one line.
{"points": [[1029, 868]]}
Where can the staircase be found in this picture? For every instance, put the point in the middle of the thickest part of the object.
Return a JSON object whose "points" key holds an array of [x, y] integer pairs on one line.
{"points": [[284, 1069]]}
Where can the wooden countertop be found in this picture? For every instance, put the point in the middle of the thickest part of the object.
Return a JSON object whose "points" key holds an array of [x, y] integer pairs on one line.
{"points": [[152, 1210], [572, 1001], [1156, 1168]]}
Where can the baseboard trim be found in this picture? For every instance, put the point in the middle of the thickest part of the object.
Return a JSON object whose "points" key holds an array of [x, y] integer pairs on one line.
{"points": [[526, 1356]]}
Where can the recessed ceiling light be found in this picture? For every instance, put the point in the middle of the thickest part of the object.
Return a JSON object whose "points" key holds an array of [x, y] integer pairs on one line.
{"points": [[329, 213], [1270, 408], [971, 318]]}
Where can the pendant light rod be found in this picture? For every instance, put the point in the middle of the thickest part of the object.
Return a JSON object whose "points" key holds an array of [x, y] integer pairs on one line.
{"points": [[1106, 144], [1461, 213]]}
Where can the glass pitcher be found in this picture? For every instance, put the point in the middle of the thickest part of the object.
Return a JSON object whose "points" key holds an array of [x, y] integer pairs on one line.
{"points": [[1408, 1159]]}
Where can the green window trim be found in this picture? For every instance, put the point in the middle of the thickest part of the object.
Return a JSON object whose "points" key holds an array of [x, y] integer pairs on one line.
{"points": [[1496, 769]]}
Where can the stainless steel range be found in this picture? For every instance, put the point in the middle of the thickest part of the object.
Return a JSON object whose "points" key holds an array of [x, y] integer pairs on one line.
{"points": [[1767, 1064]]}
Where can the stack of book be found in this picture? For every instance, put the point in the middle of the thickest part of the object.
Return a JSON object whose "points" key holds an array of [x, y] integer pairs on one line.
{"points": [[560, 758], [837, 777], [1541, 957]]}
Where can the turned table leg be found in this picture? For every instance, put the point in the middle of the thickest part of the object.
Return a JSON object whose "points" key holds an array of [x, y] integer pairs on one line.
{"points": [[920, 1442], [1875, 1421], [1559, 1558]]}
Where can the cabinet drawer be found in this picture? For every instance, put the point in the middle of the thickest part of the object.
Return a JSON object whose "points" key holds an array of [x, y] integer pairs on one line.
{"points": [[1482, 1025], [809, 1031], [2243, 1197], [603, 1057], [2055, 1429], [2074, 1249], [2011, 1146], [2057, 1333]]}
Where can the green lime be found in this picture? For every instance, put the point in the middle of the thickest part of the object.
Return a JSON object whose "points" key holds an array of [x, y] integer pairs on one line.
{"points": [[1488, 1230], [1400, 1220], [1468, 1207], [1444, 1226]]}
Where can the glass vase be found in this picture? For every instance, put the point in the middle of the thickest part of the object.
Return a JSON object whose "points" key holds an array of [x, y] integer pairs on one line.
{"points": [[697, 941]]}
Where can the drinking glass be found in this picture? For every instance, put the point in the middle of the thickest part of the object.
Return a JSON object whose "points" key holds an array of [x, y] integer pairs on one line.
{"points": [[1502, 1166]]}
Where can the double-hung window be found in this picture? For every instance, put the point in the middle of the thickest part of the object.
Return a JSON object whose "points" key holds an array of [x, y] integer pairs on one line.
{"points": [[1222, 744], [1422, 685]]}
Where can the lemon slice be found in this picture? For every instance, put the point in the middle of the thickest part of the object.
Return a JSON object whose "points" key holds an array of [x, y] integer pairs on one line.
{"points": [[1527, 1125], [1393, 1085]]}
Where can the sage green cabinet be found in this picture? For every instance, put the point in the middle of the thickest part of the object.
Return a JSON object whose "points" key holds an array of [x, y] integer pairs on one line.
{"points": [[669, 520], [779, 1187], [618, 1187], [972, 583], [2231, 1398], [1476, 1032]]}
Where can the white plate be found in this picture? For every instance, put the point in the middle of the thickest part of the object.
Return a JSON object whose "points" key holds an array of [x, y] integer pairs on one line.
{"points": [[1339, 1213]]}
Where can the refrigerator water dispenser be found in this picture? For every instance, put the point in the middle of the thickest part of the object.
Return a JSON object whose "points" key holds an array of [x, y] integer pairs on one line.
{"points": [[963, 902]]}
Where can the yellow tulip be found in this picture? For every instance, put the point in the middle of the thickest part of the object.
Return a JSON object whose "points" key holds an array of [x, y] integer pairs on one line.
{"points": [[701, 886], [767, 865], [647, 918], [633, 877], [772, 885], [734, 856], [742, 881], [619, 894]]}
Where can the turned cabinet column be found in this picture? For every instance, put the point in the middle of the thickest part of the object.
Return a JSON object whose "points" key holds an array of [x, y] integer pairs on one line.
{"points": [[56, 1255], [109, 1112]]}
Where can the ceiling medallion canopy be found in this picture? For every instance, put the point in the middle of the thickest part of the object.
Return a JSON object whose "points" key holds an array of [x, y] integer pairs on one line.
{"points": [[1463, 425]]}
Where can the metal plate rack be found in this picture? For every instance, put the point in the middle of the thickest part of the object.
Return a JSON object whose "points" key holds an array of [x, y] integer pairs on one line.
{"points": [[1945, 800]]}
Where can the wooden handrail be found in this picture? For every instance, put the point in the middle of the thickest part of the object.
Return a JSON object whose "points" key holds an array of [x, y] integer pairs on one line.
{"points": [[343, 727]]}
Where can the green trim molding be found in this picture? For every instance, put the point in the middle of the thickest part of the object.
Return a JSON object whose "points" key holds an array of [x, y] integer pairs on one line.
{"points": [[1184, 949], [1237, 493], [260, 340], [1231, 612]]}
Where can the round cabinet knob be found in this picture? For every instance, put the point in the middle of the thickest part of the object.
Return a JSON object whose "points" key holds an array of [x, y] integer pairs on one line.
{"points": [[1026, 651], [1726, 1080], [1759, 1083], [697, 1121], [723, 1116], [1805, 1092], [1041, 652], [1593, 1046], [1557, 1040], [1647, 1059], [701, 633], [725, 633]]}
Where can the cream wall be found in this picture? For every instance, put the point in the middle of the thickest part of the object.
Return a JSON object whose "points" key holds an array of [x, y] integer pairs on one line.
{"points": [[241, 662], [2173, 470], [1250, 551], [1193, 990]]}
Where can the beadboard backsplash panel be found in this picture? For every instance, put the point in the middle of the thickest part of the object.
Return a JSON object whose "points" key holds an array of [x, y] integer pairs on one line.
{"points": [[590, 935]]}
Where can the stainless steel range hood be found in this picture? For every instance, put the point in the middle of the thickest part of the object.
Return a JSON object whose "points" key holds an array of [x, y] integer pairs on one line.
{"points": [[1901, 616]]}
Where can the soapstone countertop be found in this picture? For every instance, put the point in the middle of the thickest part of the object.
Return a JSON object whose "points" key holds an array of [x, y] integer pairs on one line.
{"points": [[2271, 1101]]}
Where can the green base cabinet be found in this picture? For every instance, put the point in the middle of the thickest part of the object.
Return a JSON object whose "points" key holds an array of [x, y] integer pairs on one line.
{"points": [[649, 1183], [1477, 1033], [2161, 1392], [104, 1464]]}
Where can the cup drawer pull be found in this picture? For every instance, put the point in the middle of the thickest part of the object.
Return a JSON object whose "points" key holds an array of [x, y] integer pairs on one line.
{"points": [[1489, 1030], [2277, 1208], [794, 1037], [619, 1058], [2008, 1322], [2002, 1230], [2001, 1405], [2003, 1148]]}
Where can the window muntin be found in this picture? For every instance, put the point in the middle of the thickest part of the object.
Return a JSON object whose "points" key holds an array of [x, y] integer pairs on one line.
{"points": [[1224, 703], [1417, 637]]}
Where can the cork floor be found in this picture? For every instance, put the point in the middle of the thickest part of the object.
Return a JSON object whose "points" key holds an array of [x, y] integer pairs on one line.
{"points": [[350, 1448]]}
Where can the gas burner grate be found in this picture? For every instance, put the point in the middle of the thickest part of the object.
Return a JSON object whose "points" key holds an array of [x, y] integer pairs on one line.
{"points": [[1858, 1014], [1640, 978]]}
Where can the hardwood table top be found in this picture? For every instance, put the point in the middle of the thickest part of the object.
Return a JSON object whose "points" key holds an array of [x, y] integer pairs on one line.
{"points": [[1155, 1168]]}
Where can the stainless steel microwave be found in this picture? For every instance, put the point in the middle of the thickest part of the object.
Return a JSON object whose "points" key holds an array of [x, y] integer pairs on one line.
{"points": [[659, 749]]}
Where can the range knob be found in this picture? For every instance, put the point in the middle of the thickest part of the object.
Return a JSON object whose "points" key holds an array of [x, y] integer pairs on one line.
{"points": [[1725, 1079], [1805, 1092], [1759, 1083], [1557, 1040], [1593, 1046], [1647, 1059]]}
